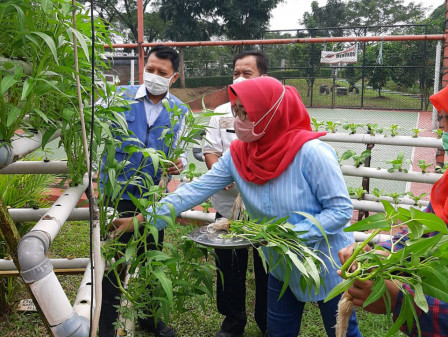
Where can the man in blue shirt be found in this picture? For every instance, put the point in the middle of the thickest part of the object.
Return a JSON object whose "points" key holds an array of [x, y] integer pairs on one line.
{"points": [[147, 118]]}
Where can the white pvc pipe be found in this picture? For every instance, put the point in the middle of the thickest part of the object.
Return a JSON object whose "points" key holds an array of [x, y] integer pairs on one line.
{"points": [[385, 140], [371, 172], [373, 206], [405, 201], [132, 68], [23, 145], [30, 214], [53, 220], [360, 237], [50, 295], [435, 113], [78, 263], [35, 167], [198, 215]]}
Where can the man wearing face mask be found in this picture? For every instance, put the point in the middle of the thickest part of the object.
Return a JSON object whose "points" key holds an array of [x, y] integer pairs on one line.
{"points": [[231, 287], [147, 118]]}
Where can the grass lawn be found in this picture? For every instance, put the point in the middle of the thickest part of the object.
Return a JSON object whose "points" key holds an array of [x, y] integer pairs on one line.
{"points": [[73, 241], [387, 100]]}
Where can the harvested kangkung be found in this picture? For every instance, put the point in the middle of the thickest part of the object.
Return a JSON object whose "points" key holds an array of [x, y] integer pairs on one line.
{"points": [[277, 243]]}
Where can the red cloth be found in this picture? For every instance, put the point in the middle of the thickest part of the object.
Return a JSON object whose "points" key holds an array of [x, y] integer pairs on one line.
{"points": [[439, 192], [439, 198], [289, 129], [440, 100]]}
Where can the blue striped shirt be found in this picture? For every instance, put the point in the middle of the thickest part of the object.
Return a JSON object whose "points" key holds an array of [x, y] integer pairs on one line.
{"points": [[312, 183]]}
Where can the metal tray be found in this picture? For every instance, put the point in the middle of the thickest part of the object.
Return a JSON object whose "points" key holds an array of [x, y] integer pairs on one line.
{"points": [[202, 236]]}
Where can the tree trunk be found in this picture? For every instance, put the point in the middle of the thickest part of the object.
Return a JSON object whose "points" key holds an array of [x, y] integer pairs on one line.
{"points": [[181, 67]]}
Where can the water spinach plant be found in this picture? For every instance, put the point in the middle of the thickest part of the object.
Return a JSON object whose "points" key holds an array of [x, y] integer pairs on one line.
{"points": [[280, 245], [421, 265]]}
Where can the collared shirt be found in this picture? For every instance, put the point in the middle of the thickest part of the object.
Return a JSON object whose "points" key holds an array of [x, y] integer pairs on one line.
{"points": [[312, 183], [220, 134], [153, 112]]}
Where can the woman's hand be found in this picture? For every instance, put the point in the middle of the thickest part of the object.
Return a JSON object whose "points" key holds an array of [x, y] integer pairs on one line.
{"points": [[347, 252], [125, 224]]}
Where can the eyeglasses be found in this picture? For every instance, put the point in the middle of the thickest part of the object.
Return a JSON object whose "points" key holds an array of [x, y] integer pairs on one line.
{"points": [[238, 111]]}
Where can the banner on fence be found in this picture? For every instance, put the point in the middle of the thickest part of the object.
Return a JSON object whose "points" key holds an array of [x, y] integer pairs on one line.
{"points": [[349, 55]]}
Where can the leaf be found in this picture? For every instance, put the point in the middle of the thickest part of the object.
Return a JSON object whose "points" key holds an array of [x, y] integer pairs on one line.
{"points": [[372, 222], [378, 289], [317, 224], [7, 82], [47, 135], [430, 220], [340, 288], [12, 115], [82, 42], [27, 87], [297, 263], [50, 43], [165, 283], [419, 297], [263, 259], [130, 249]]}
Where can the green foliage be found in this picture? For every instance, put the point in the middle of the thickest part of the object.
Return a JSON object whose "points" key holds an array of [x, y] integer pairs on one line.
{"points": [[424, 165], [377, 193], [316, 124], [416, 198], [397, 163], [421, 264], [374, 129], [352, 126], [358, 192], [332, 126], [395, 196], [441, 169], [416, 131], [393, 129], [359, 160], [279, 244]]}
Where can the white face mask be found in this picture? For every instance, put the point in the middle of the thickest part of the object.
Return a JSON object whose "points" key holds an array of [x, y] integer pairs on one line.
{"points": [[155, 84], [239, 79]]}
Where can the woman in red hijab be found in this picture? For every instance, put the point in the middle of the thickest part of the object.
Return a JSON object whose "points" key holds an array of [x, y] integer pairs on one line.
{"points": [[280, 168]]}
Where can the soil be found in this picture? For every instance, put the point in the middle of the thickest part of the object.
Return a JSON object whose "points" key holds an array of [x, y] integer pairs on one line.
{"points": [[189, 94]]}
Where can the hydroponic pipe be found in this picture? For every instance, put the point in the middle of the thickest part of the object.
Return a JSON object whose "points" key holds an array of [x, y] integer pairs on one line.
{"points": [[20, 147], [35, 167], [37, 271], [402, 201], [373, 206], [384, 140], [416, 177], [30, 214], [77, 263]]}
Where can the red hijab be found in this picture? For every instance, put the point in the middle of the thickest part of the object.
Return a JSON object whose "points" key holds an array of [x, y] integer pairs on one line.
{"points": [[289, 129], [439, 192]]}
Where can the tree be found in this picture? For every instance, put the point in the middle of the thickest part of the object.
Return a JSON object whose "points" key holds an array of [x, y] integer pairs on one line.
{"points": [[121, 14], [382, 12], [333, 14], [245, 20]]}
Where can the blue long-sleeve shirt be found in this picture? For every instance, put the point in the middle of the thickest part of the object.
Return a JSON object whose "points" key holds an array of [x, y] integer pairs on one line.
{"points": [[312, 183]]}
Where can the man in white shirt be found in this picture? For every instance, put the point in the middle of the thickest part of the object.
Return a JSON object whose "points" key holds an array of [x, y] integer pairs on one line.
{"points": [[231, 288]]}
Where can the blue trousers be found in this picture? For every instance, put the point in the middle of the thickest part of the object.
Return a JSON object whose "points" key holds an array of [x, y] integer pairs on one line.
{"points": [[285, 315]]}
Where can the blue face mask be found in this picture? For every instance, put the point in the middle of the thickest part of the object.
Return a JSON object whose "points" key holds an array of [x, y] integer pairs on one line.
{"points": [[445, 140]]}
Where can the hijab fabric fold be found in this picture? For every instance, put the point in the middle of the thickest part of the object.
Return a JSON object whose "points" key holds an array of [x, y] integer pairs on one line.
{"points": [[439, 192], [289, 129]]}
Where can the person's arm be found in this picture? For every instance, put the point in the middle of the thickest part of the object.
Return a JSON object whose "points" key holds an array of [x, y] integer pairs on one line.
{"points": [[185, 197], [323, 174], [210, 159]]}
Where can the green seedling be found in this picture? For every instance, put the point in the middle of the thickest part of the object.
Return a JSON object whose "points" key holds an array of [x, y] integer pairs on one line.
{"points": [[395, 197], [439, 133], [374, 129], [416, 131], [393, 129], [416, 198], [206, 205], [331, 126], [352, 126], [357, 192], [316, 124], [377, 193], [441, 169], [359, 160], [424, 165], [397, 164], [192, 173]]}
